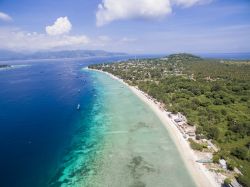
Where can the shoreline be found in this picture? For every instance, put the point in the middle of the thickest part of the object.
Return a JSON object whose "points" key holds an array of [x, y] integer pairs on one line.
{"points": [[199, 173]]}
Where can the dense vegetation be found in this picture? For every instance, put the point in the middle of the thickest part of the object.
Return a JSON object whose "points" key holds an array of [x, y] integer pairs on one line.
{"points": [[214, 95], [196, 146]]}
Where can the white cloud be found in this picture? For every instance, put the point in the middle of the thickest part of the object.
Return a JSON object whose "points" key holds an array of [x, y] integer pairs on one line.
{"points": [[61, 26], [111, 10], [16, 39], [5, 17]]}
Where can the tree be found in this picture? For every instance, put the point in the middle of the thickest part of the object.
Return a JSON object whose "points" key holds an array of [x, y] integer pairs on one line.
{"points": [[243, 180], [218, 101], [227, 181], [231, 165], [216, 158], [213, 133], [216, 88], [240, 152]]}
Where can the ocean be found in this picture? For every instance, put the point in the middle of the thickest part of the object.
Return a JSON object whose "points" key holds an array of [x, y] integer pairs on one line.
{"points": [[113, 140]]}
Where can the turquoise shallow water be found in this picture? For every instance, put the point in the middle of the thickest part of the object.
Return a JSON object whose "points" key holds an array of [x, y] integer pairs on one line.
{"points": [[127, 146]]}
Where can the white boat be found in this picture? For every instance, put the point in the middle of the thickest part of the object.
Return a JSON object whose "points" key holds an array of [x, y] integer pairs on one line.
{"points": [[78, 107]]}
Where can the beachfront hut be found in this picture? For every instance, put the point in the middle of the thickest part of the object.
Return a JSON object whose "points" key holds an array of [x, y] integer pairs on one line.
{"points": [[191, 133], [223, 163], [181, 117], [177, 120], [170, 115]]}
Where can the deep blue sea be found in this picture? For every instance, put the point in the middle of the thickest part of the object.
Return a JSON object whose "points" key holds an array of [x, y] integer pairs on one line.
{"points": [[38, 117]]}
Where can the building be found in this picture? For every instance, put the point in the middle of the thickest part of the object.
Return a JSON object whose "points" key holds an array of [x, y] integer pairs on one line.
{"points": [[223, 163]]}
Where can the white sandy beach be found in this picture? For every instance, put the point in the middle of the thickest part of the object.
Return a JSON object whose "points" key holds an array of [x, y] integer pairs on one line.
{"points": [[200, 174]]}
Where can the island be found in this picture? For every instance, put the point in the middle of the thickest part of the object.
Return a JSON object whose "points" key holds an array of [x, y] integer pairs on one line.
{"points": [[3, 66], [50, 55], [208, 100]]}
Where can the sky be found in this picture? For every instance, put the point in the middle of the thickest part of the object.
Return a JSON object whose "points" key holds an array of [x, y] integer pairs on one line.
{"points": [[131, 26]]}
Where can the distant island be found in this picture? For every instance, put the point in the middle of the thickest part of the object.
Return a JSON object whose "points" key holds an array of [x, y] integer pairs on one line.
{"points": [[3, 66], [211, 96], [66, 54]]}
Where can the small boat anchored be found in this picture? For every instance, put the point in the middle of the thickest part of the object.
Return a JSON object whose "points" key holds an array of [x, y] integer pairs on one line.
{"points": [[78, 107]]}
